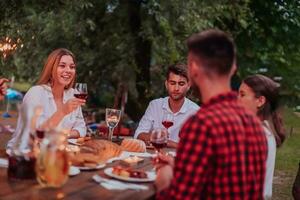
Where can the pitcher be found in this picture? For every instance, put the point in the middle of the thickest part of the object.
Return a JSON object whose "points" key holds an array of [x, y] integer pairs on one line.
{"points": [[52, 164]]}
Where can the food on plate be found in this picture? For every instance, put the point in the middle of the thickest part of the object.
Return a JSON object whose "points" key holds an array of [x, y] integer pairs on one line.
{"points": [[132, 160], [133, 145], [83, 139], [94, 152], [85, 160], [129, 172]]}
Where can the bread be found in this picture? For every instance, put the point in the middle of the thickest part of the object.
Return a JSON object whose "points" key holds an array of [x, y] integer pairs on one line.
{"points": [[133, 145], [81, 140], [96, 151]]}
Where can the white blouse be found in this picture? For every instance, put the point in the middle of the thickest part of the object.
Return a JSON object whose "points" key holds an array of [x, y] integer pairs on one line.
{"points": [[41, 95], [270, 165]]}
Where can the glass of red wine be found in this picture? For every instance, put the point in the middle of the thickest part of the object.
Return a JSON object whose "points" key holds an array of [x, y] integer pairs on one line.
{"points": [[159, 138], [168, 120], [81, 91]]}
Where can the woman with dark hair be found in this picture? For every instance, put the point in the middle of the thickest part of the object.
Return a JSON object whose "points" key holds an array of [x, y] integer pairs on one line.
{"points": [[260, 94], [55, 95]]}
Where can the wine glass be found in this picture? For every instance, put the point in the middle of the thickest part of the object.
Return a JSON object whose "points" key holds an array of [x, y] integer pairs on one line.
{"points": [[6, 113], [168, 120], [112, 118], [159, 140], [81, 91]]}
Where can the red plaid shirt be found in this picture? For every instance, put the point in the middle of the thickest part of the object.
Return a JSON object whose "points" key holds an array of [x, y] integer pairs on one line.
{"points": [[221, 154]]}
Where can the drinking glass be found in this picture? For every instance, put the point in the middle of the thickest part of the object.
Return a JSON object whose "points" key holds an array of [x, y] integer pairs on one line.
{"points": [[52, 166], [6, 113], [81, 91], [159, 138], [168, 120], [112, 119]]}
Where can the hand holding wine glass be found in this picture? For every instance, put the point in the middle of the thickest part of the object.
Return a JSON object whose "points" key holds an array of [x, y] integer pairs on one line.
{"points": [[159, 140], [112, 118]]}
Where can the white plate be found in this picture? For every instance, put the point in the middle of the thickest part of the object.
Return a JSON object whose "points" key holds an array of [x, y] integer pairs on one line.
{"points": [[151, 176], [73, 171], [74, 141], [126, 154], [100, 166]]}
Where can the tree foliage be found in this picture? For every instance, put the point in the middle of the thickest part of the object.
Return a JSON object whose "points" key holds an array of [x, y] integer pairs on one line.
{"points": [[133, 41]]}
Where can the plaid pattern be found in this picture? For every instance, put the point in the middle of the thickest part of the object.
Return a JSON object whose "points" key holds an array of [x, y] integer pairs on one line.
{"points": [[221, 155]]}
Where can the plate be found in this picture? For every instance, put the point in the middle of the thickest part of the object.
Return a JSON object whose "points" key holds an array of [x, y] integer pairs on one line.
{"points": [[151, 176], [100, 166], [150, 147], [74, 141], [126, 154], [73, 171]]}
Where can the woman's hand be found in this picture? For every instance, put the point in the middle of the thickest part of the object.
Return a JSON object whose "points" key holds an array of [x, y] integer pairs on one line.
{"points": [[3, 87], [72, 104]]}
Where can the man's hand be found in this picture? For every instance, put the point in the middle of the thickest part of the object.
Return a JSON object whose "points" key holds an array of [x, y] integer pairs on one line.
{"points": [[3, 87], [164, 171], [172, 144], [72, 104]]}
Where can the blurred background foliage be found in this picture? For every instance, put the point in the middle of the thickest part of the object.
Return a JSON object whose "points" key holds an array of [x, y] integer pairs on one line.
{"points": [[133, 41]]}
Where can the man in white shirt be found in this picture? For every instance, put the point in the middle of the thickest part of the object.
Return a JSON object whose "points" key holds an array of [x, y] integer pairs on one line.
{"points": [[176, 105]]}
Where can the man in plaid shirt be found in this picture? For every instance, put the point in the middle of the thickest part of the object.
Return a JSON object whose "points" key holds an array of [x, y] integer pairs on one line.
{"points": [[222, 149]]}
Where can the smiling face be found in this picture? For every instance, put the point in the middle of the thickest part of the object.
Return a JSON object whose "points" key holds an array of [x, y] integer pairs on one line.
{"points": [[65, 71], [177, 86]]}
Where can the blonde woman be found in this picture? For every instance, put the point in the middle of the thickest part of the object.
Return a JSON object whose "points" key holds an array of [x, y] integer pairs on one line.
{"points": [[54, 93]]}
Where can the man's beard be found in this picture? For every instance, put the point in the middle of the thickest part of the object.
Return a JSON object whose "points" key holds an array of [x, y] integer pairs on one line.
{"points": [[177, 97]]}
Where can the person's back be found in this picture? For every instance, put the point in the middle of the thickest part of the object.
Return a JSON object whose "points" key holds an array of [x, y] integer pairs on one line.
{"points": [[222, 149], [235, 148]]}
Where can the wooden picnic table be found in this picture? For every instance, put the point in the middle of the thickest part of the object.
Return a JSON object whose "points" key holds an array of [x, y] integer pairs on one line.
{"points": [[78, 187]]}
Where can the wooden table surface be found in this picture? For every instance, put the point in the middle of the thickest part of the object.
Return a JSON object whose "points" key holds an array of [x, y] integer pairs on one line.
{"points": [[78, 187]]}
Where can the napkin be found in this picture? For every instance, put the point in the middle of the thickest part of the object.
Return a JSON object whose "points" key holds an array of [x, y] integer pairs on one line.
{"points": [[3, 162], [117, 185]]}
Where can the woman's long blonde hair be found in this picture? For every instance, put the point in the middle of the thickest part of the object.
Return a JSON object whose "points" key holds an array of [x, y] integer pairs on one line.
{"points": [[51, 65]]}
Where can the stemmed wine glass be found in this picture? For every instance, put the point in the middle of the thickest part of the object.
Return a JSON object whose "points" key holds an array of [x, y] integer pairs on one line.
{"points": [[81, 91], [168, 120], [112, 118], [6, 113], [159, 140]]}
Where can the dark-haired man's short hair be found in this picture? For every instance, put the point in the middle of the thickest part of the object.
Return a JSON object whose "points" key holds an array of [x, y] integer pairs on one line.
{"points": [[178, 69], [214, 49]]}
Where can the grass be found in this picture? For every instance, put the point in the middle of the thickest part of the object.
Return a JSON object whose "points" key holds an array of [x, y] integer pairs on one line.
{"points": [[21, 86], [287, 158]]}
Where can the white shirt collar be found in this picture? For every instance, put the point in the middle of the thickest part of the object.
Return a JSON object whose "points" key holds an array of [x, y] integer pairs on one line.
{"points": [[183, 108]]}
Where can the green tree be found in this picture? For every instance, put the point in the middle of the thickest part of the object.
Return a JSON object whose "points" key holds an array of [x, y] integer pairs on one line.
{"points": [[133, 41]]}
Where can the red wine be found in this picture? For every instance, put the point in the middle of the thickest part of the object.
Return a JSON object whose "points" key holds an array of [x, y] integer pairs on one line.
{"points": [[159, 145], [20, 168], [40, 133], [167, 124], [81, 95]]}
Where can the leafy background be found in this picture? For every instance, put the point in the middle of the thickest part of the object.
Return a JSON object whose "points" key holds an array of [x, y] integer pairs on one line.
{"points": [[133, 41]]}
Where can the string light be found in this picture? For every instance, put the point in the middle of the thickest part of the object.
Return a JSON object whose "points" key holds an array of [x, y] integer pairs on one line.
{"points": [[8, 46]]}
